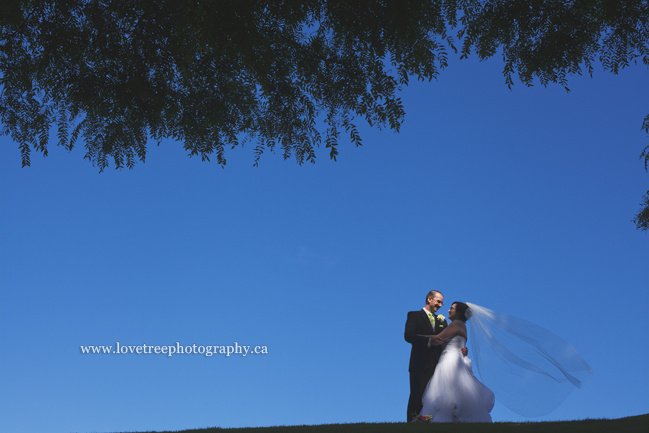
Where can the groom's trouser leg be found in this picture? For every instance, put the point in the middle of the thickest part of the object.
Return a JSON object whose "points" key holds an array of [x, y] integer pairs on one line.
{"points": [[416, 393]]}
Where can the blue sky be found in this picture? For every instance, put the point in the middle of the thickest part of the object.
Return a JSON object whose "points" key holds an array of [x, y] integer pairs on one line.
{"points": [[518, 200]]}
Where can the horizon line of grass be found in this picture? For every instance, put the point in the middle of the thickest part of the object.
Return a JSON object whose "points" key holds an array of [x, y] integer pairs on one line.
{"points": [[631, 424]]}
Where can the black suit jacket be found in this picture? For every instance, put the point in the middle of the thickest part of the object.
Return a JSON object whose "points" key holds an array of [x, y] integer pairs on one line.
{"points": [[422, 357]]}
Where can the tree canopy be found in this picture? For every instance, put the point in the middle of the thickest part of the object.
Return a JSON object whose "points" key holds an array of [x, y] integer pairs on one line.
{"points": [[287, 75]]}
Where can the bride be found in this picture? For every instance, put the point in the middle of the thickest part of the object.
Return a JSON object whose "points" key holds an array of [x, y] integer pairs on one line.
{"points": [[453, 393], [531, 369]]}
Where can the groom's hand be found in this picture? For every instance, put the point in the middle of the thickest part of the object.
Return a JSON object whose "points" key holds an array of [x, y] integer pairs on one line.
{"points": [[464, 351]]}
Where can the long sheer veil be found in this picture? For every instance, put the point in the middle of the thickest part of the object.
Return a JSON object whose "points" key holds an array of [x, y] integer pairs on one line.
{"points": [[530, 369]]}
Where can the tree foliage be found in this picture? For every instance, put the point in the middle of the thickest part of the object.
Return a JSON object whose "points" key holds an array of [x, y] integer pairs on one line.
{"points": [[286, 74]]}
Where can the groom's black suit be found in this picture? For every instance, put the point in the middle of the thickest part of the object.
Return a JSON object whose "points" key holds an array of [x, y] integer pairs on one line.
{"points": [[423, 359]]}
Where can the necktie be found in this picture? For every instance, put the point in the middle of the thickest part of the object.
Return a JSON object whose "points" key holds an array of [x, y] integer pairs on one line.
{"points": [[432, 319]]}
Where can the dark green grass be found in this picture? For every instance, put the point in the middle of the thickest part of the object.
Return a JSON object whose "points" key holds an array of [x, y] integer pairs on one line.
{"points": [[632, 424]]}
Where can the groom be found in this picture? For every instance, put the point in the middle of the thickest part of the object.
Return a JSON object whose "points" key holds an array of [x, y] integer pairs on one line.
{"points": [[424, 355]]}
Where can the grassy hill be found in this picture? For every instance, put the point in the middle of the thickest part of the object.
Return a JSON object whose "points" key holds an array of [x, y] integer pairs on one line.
{"points": [[633, 424]]}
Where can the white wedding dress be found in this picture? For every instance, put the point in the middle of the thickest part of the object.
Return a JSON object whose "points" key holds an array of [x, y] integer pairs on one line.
{"points": [[454, 394]]}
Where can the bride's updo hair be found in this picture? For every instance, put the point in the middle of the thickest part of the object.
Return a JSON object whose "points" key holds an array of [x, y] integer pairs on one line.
{"points": [[460, 308]]}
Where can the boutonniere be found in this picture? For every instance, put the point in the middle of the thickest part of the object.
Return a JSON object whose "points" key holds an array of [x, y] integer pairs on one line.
{"points": [[440, 317]]}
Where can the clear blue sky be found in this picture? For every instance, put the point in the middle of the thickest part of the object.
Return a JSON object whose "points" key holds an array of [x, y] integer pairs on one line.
{"points": [[518, 200]]}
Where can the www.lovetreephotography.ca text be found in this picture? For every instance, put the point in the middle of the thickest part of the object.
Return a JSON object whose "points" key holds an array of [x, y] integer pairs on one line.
{"points": [[177, 349]]}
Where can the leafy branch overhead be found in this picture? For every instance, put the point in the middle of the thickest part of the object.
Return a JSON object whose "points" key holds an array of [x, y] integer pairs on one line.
{"points": [[287, 74], [209, 73]]}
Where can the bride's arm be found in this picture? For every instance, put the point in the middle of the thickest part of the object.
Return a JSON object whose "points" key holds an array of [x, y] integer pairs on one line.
{"points": [[450, 332]]}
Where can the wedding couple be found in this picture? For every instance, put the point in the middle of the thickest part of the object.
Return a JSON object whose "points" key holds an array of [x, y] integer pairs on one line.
{"points": [[442, 384], [532, 369]]}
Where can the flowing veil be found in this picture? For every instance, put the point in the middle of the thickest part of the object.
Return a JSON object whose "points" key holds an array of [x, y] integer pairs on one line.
{"points": [[530, 369]]}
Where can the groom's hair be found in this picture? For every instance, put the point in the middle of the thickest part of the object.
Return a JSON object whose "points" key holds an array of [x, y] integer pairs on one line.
{"points": [[432, 294]]}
